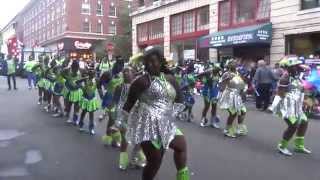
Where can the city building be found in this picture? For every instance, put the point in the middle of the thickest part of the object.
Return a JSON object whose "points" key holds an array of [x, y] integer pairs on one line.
{"points": [[73, 27], [296, 28], [174, 25], [242, 30]]}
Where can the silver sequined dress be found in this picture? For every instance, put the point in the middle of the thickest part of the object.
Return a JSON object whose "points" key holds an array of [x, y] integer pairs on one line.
{"points": [[231, 98], [291, 105], [152, 118]]}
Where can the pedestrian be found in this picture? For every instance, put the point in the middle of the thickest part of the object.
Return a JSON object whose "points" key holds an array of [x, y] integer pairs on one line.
{"points": [[288, 104], [151, 106], [104, 66], [210, 97], [30, 75], [89, 102], [263, 80], [232, 88], [10, 66]]}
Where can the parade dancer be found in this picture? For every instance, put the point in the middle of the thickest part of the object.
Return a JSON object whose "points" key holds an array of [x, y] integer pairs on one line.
{"points": [[151, 101], [58, 90], [39, 75], [187, 85], [89, 103], [288, 105], [210, 97], [48, 83], [232, 90], [109, 82], [120, 96], [74, 92]]}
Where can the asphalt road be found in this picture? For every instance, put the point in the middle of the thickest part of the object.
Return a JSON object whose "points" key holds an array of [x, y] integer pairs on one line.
{"points": [[34, 146]]}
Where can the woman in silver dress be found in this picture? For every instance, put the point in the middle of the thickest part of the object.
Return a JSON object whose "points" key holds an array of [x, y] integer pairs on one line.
{"points": [[151, 102], [288, 105], [233, 89]]}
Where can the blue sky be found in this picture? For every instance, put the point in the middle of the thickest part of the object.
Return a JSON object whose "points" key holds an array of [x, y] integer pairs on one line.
{"points": [[9, 8]]}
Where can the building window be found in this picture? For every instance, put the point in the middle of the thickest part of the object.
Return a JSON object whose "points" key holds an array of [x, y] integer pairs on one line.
{"points": [[85, 7], [309, 4], [86, 26], [263, 9], [112, 10], [99, 27], [141, 3], [203, 18], [225, 13], [236, 13], [176, 25], [142, 30], [243, 11], [156, 29], [112, 27], [99, 8], [189, 22]]}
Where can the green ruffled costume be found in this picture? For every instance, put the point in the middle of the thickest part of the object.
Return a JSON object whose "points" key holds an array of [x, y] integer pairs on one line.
{"points": [[39, 73], [89, 101], [74, 91]]}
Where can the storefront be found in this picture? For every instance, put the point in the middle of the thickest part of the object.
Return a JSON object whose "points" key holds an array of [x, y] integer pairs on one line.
{"points": [[249, 43], [75, 48], [305, 45], [185, 29]]}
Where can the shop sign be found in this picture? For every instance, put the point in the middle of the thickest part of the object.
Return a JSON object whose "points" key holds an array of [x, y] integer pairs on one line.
{"points": [[82, 45], [252, 34], [189, 54], [312, 61]]}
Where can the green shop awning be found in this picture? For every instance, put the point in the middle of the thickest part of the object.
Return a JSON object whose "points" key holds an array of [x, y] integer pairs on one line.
{"points": [[257, 34]]}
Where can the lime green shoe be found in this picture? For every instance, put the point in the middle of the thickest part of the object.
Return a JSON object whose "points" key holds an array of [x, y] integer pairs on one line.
{"points": [[299, 146], [116, 137], [229, 132], [124, 161], [139, 161], [242, 130], [183, 174], [283, 148], [107, 140]]}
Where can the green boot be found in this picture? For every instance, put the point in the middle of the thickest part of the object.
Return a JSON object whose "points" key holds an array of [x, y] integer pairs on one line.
{"points": [[116, 138], [183, 174], [299, 146], [124, 161], [106, 140]]}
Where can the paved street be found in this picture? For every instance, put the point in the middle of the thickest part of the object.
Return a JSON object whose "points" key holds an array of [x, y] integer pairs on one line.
{"points": [[34, 146]]}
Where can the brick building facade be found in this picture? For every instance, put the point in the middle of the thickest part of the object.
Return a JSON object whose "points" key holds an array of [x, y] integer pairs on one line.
{"points": [[70, 26]]}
